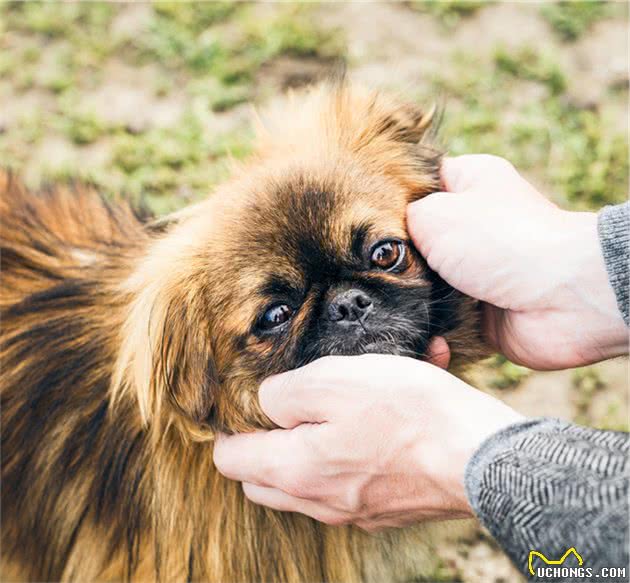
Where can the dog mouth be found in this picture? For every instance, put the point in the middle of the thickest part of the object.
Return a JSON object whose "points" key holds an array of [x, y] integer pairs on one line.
{"points": [[383, 344], [381, 347]]}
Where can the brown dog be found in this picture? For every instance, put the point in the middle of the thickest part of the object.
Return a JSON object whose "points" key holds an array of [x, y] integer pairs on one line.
{"points": [[125, 344]]}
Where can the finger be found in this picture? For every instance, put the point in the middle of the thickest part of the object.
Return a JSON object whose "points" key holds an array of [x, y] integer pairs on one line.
{"points": [[459, 173], [279, 500], [299, 396], [430, 218], [370, 526], [260, 457], [450, 173], [462, 173], [490, 321], [496, 326], [438, 352]]}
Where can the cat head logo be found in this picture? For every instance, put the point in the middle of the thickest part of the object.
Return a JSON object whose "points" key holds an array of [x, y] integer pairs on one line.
{"points": [[564, 557]]}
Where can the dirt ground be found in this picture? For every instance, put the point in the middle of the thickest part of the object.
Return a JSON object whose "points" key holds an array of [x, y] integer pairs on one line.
{"points": [[108, 97]]}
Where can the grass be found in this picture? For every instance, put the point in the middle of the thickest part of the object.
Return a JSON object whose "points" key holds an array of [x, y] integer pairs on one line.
{"points": [[235, 58], [594, 171], [449, 12], [506, 374], [614, 419], [58, 20], [571, 19], [587, 385], [578, 151], [531, 65], [80, 127], [586, 382], [209, 54]]}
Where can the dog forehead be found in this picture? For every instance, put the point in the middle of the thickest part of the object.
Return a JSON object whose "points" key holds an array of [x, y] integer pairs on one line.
{"points": [[296, 220], [320, 209], [300, 229]]}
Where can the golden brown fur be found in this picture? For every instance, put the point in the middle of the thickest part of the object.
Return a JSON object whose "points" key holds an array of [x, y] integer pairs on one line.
{"points": [[125, 344]]}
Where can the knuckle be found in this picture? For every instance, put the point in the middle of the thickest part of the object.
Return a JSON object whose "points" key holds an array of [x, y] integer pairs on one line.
{"points": [[217, 456], [333, 520], [429, 204], [274, 470], [498, 163], [324, 363], [273, 390], [352, 501], [429, 220], [220, 457], [296, 484], [251, 493]]}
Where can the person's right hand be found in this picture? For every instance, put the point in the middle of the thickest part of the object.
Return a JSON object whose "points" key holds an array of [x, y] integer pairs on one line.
{"points": [[539, 269]]}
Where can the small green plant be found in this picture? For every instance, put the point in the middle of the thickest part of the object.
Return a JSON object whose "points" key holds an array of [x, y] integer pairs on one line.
{"points": [[55, 19], [445, 573], [84, 128], [506, 374], [196, 16], [182, 39], [81, 126], [294, 33], [592, 164], [614, 419], [449, 12], [582, 154], [177, 46], [171, 161], [570, 19], [531, 65], [586, 382]]}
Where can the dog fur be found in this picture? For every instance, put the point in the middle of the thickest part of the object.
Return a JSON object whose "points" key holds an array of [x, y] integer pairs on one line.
{"points": [[126, 343]]}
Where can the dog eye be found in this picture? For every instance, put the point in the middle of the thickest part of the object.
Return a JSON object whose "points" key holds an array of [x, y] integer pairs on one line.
{"points": [[388, 255], [276, 316]]}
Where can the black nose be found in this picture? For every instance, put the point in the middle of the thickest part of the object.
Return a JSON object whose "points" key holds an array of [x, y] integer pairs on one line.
{"points": [[352, 305]]}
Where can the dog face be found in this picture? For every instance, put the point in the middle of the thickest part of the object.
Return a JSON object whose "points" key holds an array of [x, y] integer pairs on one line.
{"points": [[305, 253]]}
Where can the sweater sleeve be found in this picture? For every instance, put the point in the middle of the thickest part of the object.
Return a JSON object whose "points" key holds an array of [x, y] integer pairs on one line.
{"points": [[614, 235], [545, 485]]}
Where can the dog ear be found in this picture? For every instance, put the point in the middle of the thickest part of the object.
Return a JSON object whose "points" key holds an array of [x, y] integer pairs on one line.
{"points": [[409, 123], [165, 359], [391, 116], [183, 367]]}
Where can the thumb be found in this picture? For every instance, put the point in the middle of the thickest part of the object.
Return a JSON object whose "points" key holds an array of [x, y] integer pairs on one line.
{"points": [[467, 172], [297, 396], [430, 218], [453, 174]]}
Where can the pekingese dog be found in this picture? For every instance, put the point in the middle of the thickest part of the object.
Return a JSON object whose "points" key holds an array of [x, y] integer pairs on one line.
{"points": [[126, 343]]}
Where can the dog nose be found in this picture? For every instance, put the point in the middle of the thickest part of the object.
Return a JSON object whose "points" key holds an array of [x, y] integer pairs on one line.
{"points": [[352, 305]]}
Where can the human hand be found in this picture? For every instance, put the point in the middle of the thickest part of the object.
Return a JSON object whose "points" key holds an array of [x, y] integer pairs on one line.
{"points": [[539, 269], [373, 440]]}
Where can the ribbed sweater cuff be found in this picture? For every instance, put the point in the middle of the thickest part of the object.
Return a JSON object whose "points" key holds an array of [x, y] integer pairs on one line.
{"points": [[494, 445], [613, 225]]}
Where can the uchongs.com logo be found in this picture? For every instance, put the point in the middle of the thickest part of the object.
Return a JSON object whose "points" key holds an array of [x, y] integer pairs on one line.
{"points": [[556, 568]]}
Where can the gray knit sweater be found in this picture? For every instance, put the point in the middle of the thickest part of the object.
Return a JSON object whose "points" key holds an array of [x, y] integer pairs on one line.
{"points": [[545, 485]]}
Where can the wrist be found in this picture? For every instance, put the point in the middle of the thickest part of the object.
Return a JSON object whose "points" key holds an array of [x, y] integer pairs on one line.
{"points": [[587, 290], [498, 418], [476, 417]]}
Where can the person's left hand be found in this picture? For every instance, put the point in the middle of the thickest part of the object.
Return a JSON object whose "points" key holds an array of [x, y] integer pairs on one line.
{"points": [[373, 440]]}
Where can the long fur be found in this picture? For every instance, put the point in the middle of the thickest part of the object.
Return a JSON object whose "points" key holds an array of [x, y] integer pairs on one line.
{"points": [[117, 369]]}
